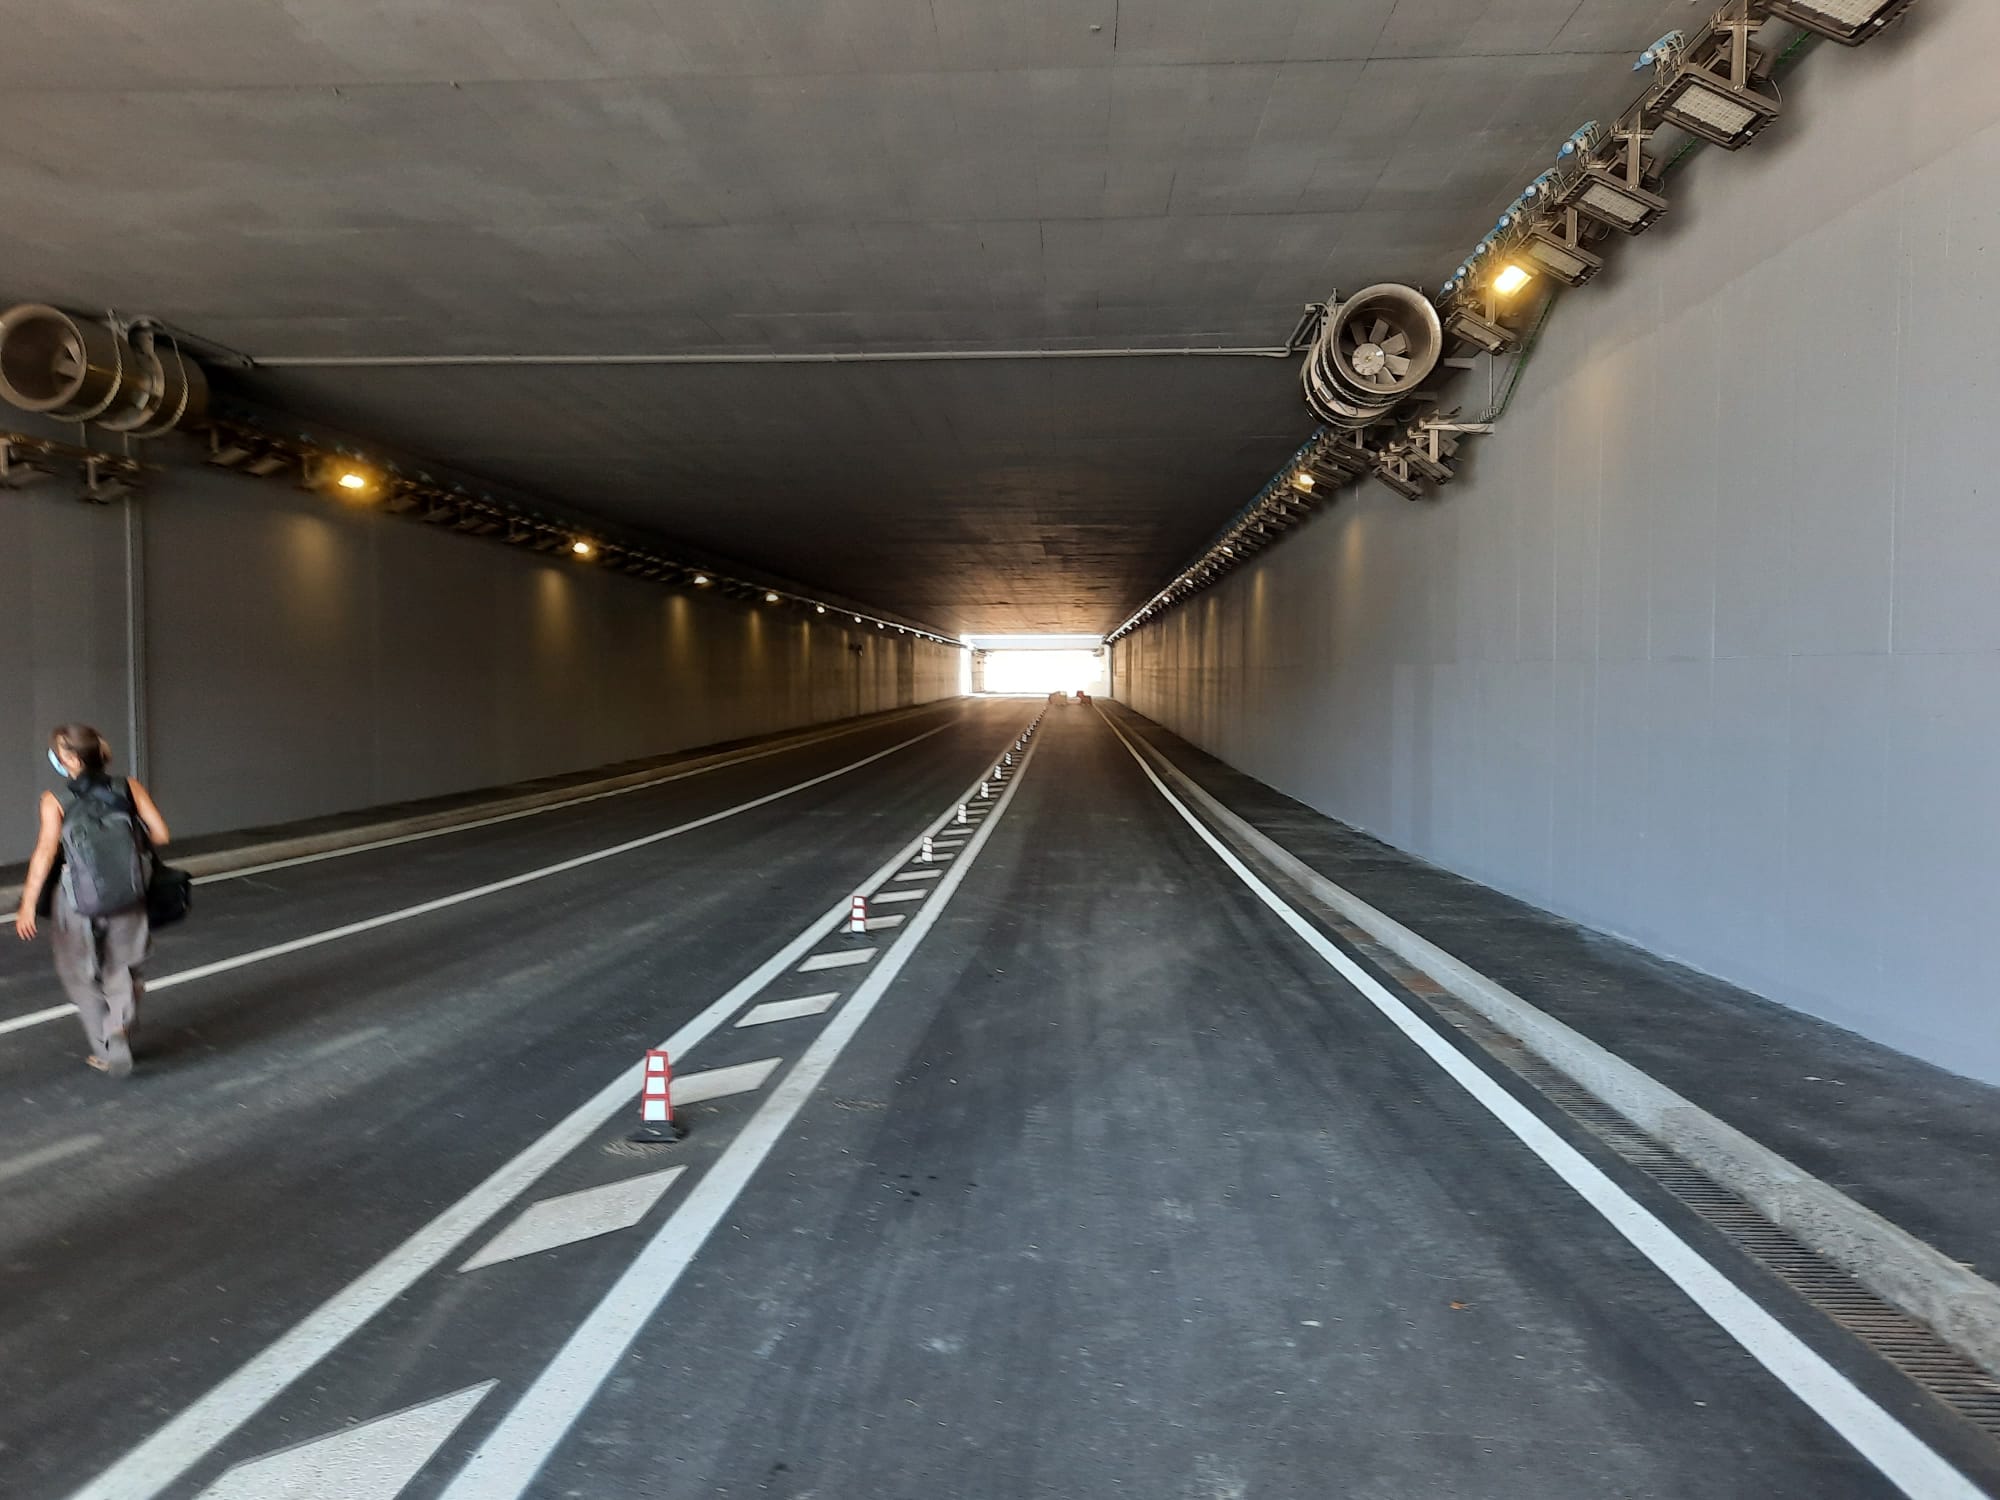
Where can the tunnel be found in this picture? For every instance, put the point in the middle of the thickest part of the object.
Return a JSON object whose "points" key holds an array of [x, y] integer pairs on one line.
{"points": [[999, 749]]}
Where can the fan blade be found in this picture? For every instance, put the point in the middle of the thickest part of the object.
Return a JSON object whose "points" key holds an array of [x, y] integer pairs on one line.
{"points": [[1381, 331], [1400, 344], [1399, 364]]}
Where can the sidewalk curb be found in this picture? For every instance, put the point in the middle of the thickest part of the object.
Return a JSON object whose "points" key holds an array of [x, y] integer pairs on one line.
{"points": [[1961, 1306], [271, 851]]}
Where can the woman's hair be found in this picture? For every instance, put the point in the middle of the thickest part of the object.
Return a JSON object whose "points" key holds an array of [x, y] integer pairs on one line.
{"points": [[85, 743]]}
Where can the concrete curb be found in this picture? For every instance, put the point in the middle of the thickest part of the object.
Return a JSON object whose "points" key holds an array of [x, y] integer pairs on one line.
{"points": [[1962, 1307], [225, 861]]}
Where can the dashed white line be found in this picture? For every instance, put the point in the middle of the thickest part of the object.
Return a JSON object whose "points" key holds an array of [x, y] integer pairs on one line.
{"points": [[897, 896], [789, 1010], [920, 875], [845, 960], [878, 924]]}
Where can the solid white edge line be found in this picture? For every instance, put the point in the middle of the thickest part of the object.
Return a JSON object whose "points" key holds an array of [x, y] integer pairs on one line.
{"points": [[35, 1018], [806, 742], [506, 1462], [459, 898], [1901, 1457], [189, 1436]]}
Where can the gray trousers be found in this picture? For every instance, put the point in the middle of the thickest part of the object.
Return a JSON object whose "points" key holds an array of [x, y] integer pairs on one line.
{"points": [[98, 961]]}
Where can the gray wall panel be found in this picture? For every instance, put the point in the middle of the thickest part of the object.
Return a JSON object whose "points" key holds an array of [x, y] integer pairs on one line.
{"points": [[1703, 649], [306, 658]]}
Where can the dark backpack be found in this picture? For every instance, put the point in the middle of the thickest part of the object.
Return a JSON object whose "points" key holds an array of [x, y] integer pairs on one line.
{"points": [[104, 849]]}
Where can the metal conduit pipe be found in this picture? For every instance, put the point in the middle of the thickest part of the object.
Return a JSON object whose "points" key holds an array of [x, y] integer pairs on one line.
{"points": [[860, 357]]}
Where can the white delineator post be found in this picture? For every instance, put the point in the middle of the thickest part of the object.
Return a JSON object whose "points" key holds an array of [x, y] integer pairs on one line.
{"points": [[927, 849], [857, 915], [656, 1102], [984, 793], [961, 812]]}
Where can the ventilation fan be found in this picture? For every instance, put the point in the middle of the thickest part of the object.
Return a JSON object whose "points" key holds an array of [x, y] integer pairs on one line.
{"points": [[1373, 349]]}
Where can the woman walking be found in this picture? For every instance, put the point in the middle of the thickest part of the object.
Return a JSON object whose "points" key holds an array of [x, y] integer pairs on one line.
{"points": [[103, 829]]}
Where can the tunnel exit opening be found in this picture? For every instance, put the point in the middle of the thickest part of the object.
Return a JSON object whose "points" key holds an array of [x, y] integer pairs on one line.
{"points": [[1006, 666]]}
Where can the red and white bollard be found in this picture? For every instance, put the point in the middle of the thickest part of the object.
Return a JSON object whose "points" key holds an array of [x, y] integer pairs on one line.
{"points": [[927, 849], [657, 1124], [857, 915]]}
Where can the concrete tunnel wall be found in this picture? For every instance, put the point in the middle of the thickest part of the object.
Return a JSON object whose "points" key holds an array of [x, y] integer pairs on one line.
{"points": [[302, 657], [1703, 647]]}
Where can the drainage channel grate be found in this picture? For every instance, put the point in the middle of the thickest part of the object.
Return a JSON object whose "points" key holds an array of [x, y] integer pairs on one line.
{"points": [[1964, 1387]]}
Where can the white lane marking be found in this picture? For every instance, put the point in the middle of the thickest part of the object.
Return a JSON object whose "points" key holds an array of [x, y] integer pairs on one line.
{"points": [[569, 1217], [35, 1018], [157, 1461], [530, 812], [878, 924], [920, 875], [789, 1010], [911, 895], [459, 898], [505, 1464], [30, 1161], [371, 1462], [720, 1083], [1905, 1460], [836, 960]]}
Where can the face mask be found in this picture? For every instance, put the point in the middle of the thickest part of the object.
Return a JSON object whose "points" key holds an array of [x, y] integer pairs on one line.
{"points": [[61, 769]]}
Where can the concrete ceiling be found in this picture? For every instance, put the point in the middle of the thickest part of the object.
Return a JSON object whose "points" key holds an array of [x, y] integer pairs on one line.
{"points": [[331, 177]]}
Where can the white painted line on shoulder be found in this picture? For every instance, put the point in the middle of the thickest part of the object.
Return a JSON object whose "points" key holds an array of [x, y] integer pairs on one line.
{"points": [[1902, 1458], [920, 875], [911, 895], [720, 1083], [35, 1018], [371, 1462], [29, 1161], [459, 898], [505, 1464], [845, 960], [789, 1010], [157, 1461], [582, 1215], [730, 764], [880, 924]]}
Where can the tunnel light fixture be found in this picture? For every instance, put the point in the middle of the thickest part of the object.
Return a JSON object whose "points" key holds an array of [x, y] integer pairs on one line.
{"points": [[1556, 247], [819, 609], [1615, 188], [769, 597], [1468, 326], [1709, 89], [1303, 481], [700, 580], [1849, 22], [352, 481], [1510, 278], [581, 548]]}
